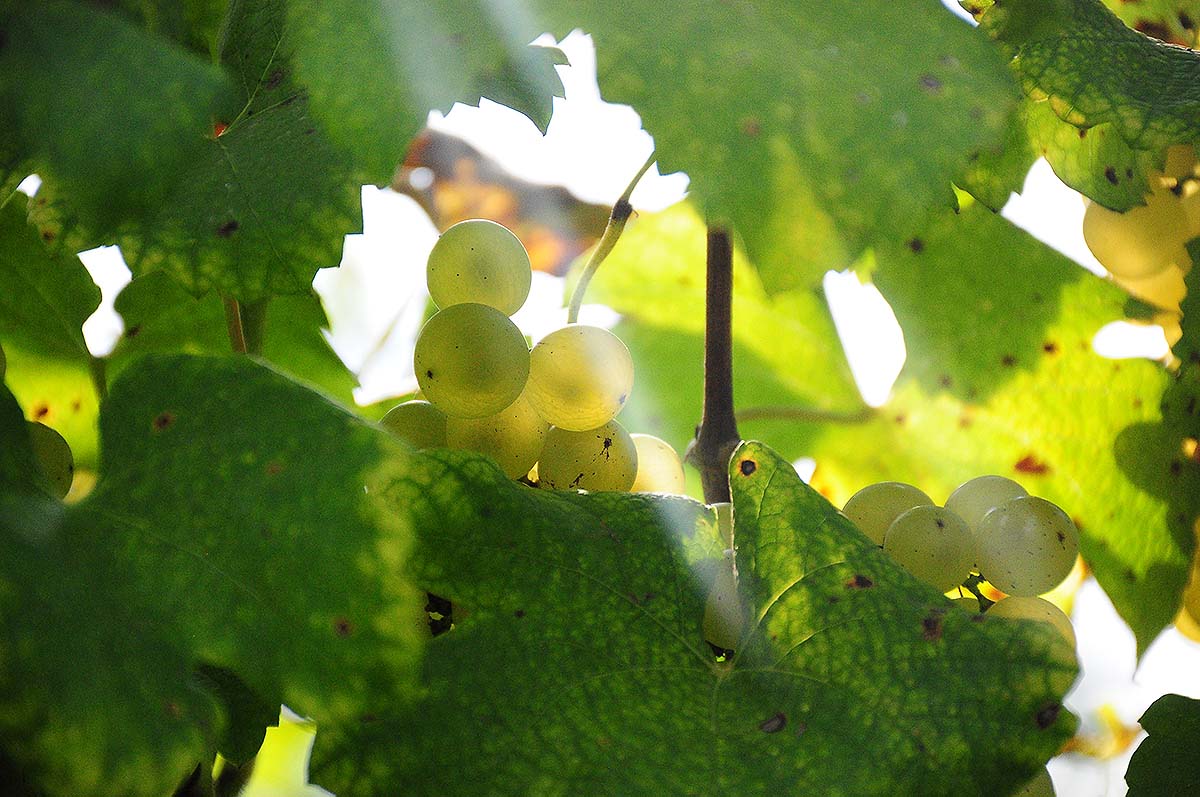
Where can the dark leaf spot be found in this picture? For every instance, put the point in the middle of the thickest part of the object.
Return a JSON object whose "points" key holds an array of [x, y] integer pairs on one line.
{"points": [[1128, 173], [1083, 133], [76, 405], [751, 126], [1047, 715], [47, 235], [429, 373], [945, 381], [965, 422], [900, 419], [931, 83], [519, 613], [343, 627], [1050, 347], [721, 654], [1031, 464], [275, 79], [748, 467], [162, 421], [931, 627], [41, 411], [227, 229], [1110, 174], [274, 468], [133, 331], [916, 245], [774, 723], [859, 581], [1008, 361], [1176, 467]]}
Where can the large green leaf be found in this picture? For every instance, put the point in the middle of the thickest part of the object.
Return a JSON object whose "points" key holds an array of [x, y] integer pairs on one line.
{"points": [[1166, 762], [577, 665], [237, 524], [1001, 378], [44, 299], [1169, 20], [409, 58], [816, 128], [1095, 70]]}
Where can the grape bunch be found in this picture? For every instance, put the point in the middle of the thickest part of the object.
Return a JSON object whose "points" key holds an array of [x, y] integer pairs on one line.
{"points": [[547, 415], [1144, 247], [989, 528]]}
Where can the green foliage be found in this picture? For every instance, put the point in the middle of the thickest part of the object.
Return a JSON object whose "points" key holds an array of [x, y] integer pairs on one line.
{"points": [[1169, 20], [1165, 762]]}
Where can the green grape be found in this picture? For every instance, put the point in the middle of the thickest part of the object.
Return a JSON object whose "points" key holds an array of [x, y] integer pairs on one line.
{"points": [[1019, 607], [603, 458], [53, 457], [1141, 242], [1040, 786], [876, 506], [975, 498], [724, 616], [1027, 546], [479, 261], [659, 467], [471, 360], [417, 422], [580, 377], [512, 437], [933, 544], [1165, 289]]}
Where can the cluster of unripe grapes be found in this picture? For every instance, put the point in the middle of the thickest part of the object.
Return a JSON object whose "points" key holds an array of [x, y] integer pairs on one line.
{"points": [[1022, 545], [1144, 247], [51, 453], [546, 415]]}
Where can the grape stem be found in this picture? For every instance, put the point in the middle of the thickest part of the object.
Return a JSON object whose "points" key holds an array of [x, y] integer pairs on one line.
{"points": [[621, 212], [717, 435]]}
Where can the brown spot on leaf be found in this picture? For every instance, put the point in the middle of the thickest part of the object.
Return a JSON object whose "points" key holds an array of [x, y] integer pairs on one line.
{"points": [[519, 613], [274, 468], [1083, 133], [48, 235], [1110, 174], [227, 229], [343, 627], [162, 421], [748, 466], [931, 627], [1031, 464], [916, 245], [750, 126], [133, 331], [41, 411], [1008, 361], [773, 724], [274, 79], [1047, 714], [1050, 347], [945, 381], [931, 83], [859, 581], [900, 418], [1176, 467]]}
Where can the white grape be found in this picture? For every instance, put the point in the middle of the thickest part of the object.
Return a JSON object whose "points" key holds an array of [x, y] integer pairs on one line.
{"points": [[724, 617], [933, 544], [1026, 546], [479, 261], [512, 437], [975, 498], [1018, 607], [1142, 241], [603, 458], [417, 422], [876, 506], [659, 467], [471, 360], [580, 377]]}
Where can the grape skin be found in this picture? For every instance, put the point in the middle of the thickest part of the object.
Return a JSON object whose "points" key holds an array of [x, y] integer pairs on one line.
{"points": [[933, 544], [418, 423], [724, 618], [659, 468], [1142, 241], [975, 498], [479, 261], [53, 457], [1027, 546], [1019, 607], [580, 377], [603, 458], [512, 437], [876, 506], [471, 360]]}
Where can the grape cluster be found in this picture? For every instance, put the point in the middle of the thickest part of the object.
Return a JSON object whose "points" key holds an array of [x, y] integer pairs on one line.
{"points": [[1021, 544], [546, 415], [1144, 247]]}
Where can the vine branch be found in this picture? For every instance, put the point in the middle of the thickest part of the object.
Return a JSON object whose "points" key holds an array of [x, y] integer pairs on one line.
{"points": [[717, 436], [621, 212]]}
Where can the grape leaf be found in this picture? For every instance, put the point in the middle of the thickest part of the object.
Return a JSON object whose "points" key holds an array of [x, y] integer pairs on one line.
{"points": [[816, 128], [576, 662], [60, 392], [1095, 70], [236, 525], [1165, 762], [786, 351], [1170, 20], [409, 58], [44, 299], [996, 373], [193, 23]]}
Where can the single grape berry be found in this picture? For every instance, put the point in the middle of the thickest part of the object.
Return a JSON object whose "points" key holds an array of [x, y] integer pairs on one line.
{"points": [[1018, 607], [724, 617], [975, 498], [479, 261], [659, 467], [471, 360], [1027, 545], [512, 437], [876, 506], [418, 423], [580, 377], [603, 458], [1142, 241], [53, 457], [933, 544]]}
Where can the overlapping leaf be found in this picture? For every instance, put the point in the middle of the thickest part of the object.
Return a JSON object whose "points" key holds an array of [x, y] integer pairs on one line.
{"points": [[235, 526], [1170, 20], [1165, 762], [577, 664]]}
